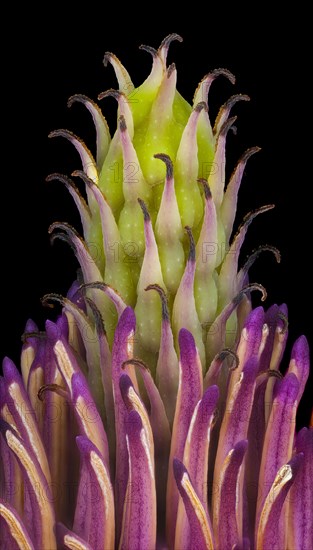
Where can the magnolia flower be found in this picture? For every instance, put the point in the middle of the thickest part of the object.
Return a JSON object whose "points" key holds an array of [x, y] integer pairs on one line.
{"points": [[152, 412]]}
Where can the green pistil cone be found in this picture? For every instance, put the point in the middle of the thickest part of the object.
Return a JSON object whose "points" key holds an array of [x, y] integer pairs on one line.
{"points": [[139, 207]]}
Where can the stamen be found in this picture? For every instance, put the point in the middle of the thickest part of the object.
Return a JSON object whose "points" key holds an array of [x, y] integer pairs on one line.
{"points": [[168, 162], [263, 377], [123, 78], [88, 162], [83, 208], [107, 57], [111, 93], [192, 247], [200, 106], [136, 362], [164, 301], [170, 70], [224, 72], [275, 373], [56, 388], [216, 415], [83, 176], [251, 215], [229, 205], [123, 97], [144, 209], [97, 316], [226, 353], [80, 98], [52, 297], [64, 179], [62, 133], [169, 39], [98, 285], [149, 49], [41, 335], [283, 318], [165, 44], [249, 288], [101, 126], [248, 153], [122, 123], [205, 84], [227, 126], [206, 188], [234, 99], [67, 236], [225, 110], [247, 220], [264, 248], [112, 294], [64, 238]]}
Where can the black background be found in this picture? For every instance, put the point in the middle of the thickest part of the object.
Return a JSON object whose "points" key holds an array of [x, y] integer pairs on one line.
{"points": [[50, 56]]}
